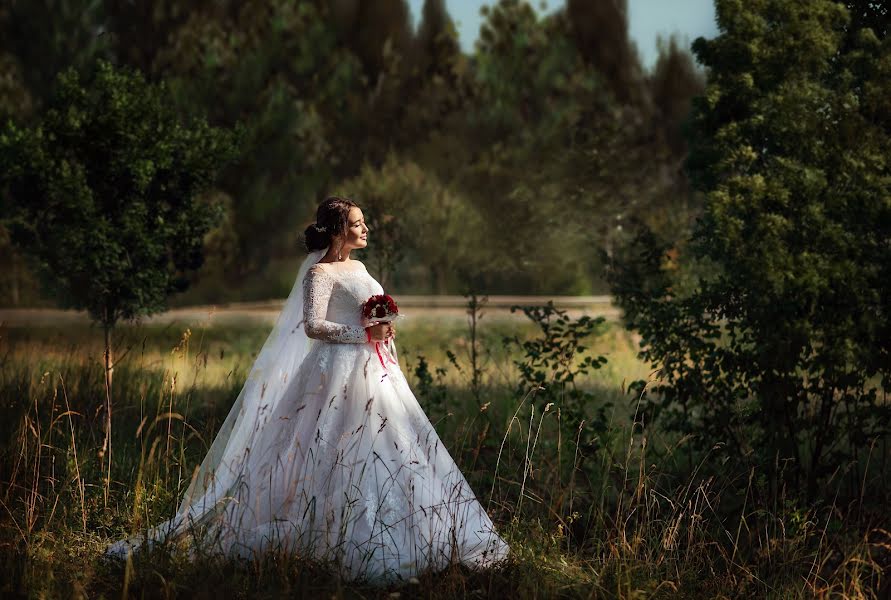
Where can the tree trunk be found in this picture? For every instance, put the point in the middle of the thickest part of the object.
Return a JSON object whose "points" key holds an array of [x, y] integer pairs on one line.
{"points": [[105, 452], [15, 280], [822, 432]]}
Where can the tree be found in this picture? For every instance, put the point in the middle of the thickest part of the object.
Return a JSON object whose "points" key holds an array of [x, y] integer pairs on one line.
{"points": [[529, 85], [48, 36], [673, 83], [437, 83], [412, 215], [16, 102], [258, 64], [436, 44], [557, 159], [780, 344], [600, 31], [104, 195], [372, 29]]}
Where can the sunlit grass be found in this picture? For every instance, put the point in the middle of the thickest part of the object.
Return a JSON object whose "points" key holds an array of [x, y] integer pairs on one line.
{"points": [[607, 519]]}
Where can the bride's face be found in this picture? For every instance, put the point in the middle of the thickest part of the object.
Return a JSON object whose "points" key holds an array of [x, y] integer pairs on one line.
{"points": [[356, 235]]}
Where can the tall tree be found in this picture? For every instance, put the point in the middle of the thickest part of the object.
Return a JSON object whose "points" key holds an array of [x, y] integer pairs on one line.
{"points": [[529, 83], [139, 31], [48, 36], [375, 31], [600, 29], [436, 44], [673, 84], [258, 64], [781, 343], [437, 85], [104, 197]]}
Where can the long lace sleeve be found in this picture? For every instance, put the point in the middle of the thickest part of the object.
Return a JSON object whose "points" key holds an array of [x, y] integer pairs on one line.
{"points": [[317, 286]]}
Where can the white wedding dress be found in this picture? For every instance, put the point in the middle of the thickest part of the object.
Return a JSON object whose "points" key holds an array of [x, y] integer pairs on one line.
{"points": [[340, 462]]}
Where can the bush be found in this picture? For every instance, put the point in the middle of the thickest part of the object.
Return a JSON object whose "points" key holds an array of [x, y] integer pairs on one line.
{"points": [[782, 343]]}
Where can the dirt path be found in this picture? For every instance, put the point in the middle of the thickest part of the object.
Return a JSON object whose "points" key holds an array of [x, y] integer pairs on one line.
{"points": [[414, 307]]}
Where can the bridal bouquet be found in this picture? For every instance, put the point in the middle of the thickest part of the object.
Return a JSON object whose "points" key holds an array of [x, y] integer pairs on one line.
{"points": [[380, 308]]}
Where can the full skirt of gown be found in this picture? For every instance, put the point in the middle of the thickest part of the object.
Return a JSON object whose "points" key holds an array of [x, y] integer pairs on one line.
{"points": [[350, 470]]}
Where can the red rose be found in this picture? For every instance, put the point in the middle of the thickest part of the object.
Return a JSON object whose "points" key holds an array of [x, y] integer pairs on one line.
{"points": [[380, 306]]}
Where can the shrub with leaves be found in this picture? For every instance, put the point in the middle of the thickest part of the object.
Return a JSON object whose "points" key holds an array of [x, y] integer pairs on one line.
{"points": [[554, 360], [431, 388], [781, 346]]}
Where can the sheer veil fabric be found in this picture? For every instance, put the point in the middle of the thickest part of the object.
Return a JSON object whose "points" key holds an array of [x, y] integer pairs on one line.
{"points": [[327, 453]]}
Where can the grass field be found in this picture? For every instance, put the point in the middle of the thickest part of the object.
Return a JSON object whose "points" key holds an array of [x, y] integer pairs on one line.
{"points": [[618, 511]]}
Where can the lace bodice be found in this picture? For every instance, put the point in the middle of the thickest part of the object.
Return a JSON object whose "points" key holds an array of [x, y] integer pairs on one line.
{"points": [[331, 303]]}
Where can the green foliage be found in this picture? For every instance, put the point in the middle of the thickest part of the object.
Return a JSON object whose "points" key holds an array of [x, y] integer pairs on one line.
{"points": [[674, 81], [437, 49], [562, 159], [414, 218], [431, 389], [15, 100], [44, 37], [555, 360], [548, 137], [259, 64], [529, 89], [781, 346], [104, 193], [600, 31], [374, 30], [874, 14]]}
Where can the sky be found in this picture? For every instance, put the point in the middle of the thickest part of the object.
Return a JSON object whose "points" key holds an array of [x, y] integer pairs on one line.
{"points": [[646, 19]]}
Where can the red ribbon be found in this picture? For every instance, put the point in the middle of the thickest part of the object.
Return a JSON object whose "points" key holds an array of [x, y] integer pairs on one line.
{"points": [[377, 348]]}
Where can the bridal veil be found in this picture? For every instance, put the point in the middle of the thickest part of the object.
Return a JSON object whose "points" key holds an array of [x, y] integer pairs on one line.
{"points": [[213, 483]]}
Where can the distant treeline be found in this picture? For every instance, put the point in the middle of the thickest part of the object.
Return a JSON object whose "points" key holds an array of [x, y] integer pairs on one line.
{"points": [[515, 169]]}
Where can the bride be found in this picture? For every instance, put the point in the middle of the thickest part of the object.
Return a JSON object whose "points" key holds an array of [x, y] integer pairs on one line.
{"points": [[326, 452]]}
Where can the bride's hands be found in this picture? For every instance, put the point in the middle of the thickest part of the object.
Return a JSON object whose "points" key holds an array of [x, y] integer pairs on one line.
{"points": [[382, 332]]}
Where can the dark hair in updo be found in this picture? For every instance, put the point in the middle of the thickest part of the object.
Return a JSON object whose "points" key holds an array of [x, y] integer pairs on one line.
{"points": [[332, 216]]}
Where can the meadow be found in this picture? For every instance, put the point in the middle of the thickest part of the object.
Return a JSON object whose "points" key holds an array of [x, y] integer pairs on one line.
{"points": [[612, 509], [732, 198]]}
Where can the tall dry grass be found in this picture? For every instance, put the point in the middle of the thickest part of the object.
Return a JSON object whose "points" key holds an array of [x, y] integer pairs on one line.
{"points": [[616, 515]]}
